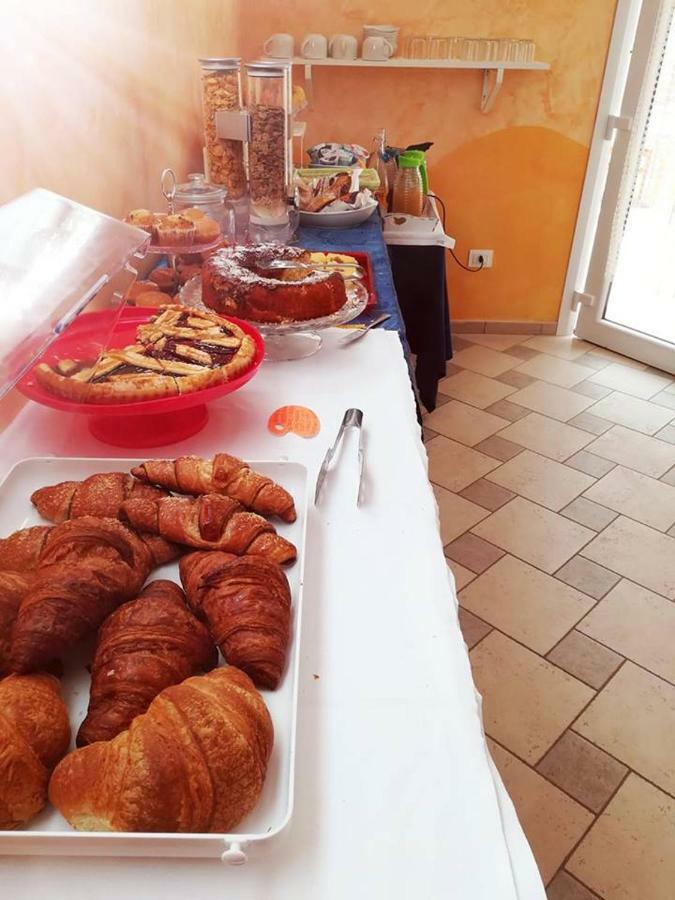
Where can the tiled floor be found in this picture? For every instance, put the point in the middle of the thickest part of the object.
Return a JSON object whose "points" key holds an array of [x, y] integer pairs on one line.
{"points": [[553, 463]]}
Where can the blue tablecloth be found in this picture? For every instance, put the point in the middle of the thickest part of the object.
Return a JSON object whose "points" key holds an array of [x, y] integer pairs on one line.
{"points": [[365, 238]]}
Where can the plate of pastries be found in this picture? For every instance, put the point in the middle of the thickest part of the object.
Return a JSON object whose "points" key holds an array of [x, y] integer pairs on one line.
{"points": [[188, 228], [149, 630]]}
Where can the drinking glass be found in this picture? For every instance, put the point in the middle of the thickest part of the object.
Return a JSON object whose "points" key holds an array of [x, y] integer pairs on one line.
{"points": [[417, 47], [437, 47], [526, 51], [455, 47]]}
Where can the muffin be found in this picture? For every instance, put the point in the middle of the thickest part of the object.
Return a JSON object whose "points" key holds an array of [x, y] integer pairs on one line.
{"points": [[174, 231], [164, 279], [151, 298], [192, 213], [141, 218], [206, 230], [140, 287]]}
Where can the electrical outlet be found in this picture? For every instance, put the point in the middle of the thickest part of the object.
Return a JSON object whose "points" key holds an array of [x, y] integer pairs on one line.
{"points": [[474, 261]]}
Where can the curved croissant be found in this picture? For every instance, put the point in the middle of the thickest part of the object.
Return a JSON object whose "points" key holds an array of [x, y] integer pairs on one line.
{"points": [[20, 552], [224, 474], [146, 645], [88, 567], [209, 522], [34, 735], [99, 495], [13, 587], [246, 602], [194, 762]]}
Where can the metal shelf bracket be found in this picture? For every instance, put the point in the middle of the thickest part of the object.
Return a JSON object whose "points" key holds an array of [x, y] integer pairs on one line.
{"points": [[489, 94]]}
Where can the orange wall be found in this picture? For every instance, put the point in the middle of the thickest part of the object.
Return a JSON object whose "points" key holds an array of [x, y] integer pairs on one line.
{"points": [[100, 96]]}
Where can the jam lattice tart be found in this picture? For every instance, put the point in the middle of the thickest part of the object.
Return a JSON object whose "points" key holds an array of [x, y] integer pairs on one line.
{"points": [[178, 351]]}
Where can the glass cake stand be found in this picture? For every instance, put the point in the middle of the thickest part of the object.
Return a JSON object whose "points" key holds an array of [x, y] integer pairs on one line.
{"points": [[292, 340]]}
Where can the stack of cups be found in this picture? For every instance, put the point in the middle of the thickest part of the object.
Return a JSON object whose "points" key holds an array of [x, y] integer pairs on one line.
{"points": [[388, 32]]}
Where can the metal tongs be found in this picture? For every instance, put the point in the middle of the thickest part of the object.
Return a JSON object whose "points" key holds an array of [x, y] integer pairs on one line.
{"points": [[352, 418], [357, 273]]}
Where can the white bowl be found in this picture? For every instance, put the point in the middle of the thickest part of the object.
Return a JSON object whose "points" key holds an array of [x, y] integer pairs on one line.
{"points": [[340, 218]]}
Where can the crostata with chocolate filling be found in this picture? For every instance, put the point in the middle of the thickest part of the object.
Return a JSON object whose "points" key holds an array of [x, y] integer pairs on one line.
{"points": [[178, 351]]}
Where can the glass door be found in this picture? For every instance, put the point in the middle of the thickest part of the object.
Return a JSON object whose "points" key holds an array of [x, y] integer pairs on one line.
{"points": [[630, 290]]}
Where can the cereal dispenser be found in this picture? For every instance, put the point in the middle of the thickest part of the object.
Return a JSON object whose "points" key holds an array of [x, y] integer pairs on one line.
{"points": [[268, 102], [221, 101]]}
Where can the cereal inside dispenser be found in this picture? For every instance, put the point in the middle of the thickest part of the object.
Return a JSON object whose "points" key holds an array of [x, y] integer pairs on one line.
{"points": [[221, 92], [268, 107]]}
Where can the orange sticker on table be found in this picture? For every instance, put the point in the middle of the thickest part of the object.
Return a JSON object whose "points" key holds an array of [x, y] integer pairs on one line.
{"points": [[296, 419]]}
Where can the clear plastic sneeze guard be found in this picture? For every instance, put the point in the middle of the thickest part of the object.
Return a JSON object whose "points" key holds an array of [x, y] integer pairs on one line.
{"points": [[55, 256]]}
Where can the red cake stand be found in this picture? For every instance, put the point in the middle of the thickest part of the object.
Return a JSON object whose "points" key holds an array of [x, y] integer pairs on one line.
{"points": [[148, 423]]}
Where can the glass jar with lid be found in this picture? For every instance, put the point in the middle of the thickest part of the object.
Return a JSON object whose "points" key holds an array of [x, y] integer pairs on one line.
{"points": [[221, 91], [267, 95], [211, 199]]}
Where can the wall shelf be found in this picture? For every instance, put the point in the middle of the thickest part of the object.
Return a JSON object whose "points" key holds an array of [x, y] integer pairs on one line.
{"points": [[493, 70]]}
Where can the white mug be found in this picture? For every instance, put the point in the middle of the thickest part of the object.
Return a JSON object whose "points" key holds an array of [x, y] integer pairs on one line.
{"points": [[314, 46], [343, 46], [280, 46], [376, 48]]}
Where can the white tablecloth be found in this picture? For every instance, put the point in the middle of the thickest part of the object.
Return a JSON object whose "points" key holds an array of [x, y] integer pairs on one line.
{"points": [[396, 796]]}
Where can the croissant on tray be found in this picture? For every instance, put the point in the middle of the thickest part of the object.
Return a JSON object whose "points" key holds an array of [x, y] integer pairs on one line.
{"points": [[209, 522], [20, 551], [13, 587], [194, 762], [146, 645], [87, 568], [34, 735], [224, 474], [100, 495], [246, 603]]}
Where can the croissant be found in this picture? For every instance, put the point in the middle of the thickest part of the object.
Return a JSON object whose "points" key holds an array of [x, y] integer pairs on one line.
{"points": [[209, 522], [88, 567], [13, 586], [20, 551], [246, 602], [194, 762], [146, 645], [34, 735], [99, 495], [224, 474]]}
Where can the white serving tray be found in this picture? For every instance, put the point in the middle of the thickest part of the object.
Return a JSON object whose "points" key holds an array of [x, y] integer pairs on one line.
{"points": [[49, 833]]}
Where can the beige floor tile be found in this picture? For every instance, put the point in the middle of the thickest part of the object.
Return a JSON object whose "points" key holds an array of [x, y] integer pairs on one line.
{"points": [[628, 853], [595, 391], [589, 422], [565, 887], [556, 402], [671, 388], [498, 341], [665, 398], [552, 821], [633, 719], [639, 415], [636, 451], [527, 702], [534, 608], [669, 477], [668, 433], [464, 423], [604, 353], [556, 371], [498, 448], [582, 770], [474, 389], [510, 411], [453, 465], [541, 480], [546, 436], [486, 494], [473, 552], [585, 659], [534, 534], [590, 464], [485, 361], [516, 379], [562, 347], [461, 575], [523, 353], [637, 496], [587, 513], [428, 434], [455, 514], [638, 382], [637, 623], [637, 552], [588, 577], [473, 629]]}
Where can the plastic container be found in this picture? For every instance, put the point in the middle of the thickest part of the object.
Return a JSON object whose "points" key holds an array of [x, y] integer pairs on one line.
{"points": [[408, 197], [376, 161], [197, 193], [221, 92], [268, 97]]}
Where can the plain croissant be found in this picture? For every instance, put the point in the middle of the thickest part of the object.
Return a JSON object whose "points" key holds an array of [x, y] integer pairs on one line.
{"points": [[224, 474], [146, 645], [34, 735], [246, 603], [87, 568], [99, 495], [209, 522], [20, 552], [13, 587], [194, 762]]}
